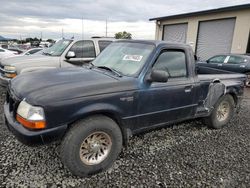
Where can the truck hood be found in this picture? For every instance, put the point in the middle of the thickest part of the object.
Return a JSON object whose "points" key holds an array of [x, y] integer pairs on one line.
{"points": [[57, 85], [29, 61]]}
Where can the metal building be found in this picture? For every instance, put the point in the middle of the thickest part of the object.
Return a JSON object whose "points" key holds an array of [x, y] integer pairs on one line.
{"points": [[209, 32]]}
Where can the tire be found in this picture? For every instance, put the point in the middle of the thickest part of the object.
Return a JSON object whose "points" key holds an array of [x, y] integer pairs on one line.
{"points": [[83, 147], [216, 120], [248, 79]]}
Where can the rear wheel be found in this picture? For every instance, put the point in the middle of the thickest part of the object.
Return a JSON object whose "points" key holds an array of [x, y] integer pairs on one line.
{"points": [[91, 146], [222, 113]]}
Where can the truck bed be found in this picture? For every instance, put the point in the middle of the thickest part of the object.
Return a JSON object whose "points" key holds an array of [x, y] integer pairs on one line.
{"points": [[209, 74]]}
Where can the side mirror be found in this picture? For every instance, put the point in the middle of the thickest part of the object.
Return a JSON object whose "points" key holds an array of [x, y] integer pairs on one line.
{"points": [[70, 54], [158, 76]]}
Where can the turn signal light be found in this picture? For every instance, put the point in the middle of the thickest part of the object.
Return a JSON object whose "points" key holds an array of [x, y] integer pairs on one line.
{"points": [[31, 124], [10, 75]]}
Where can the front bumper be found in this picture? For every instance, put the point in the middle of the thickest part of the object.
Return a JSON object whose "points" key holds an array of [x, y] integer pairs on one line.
{"points": [[4, 81], [30, 137]]}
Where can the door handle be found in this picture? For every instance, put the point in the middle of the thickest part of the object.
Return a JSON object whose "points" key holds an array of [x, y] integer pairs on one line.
{"points": [[188, 89], [220, 65]]}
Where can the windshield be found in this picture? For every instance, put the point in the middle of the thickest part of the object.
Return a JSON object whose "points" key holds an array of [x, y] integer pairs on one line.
{"points": [[58, 48], [126, 58]]}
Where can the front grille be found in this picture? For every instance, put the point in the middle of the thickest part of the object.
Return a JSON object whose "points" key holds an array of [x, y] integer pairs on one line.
{"points": [[1, 69], [12, 103]]}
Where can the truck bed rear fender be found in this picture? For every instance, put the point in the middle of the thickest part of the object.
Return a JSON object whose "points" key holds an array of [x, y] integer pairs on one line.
{"points": [[215, 91], [233, 92]]}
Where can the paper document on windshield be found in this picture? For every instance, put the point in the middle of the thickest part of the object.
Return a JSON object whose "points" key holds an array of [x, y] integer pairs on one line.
{"points": [[136, 58]]}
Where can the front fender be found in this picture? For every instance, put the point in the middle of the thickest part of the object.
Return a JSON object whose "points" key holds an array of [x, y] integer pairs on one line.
{"points": [[99, 108], [109, 110]]}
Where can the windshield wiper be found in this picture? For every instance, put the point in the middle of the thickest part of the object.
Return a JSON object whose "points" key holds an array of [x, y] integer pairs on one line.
{"points": [[46, 53], [109, 69], [91, 65]]}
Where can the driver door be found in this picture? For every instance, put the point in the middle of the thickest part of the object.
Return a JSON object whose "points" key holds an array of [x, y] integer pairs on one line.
{"points": [[160, 103]]}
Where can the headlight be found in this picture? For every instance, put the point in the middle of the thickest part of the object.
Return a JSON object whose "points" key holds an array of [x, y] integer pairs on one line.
{"points": [[30, 116], [9, 68], [10, 71]]}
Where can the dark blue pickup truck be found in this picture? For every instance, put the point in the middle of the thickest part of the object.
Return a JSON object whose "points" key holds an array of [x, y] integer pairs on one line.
{"points": [[131, 87]]}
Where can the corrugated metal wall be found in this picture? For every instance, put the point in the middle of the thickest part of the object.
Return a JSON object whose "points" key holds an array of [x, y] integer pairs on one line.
{"points": [[215, 37], [175, 33]]}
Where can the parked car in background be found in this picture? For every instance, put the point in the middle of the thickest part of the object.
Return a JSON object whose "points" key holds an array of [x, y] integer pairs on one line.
{"points": [[132, 87], [16, 50], [64, 53], [229, 62], [31, 51], [4, 53]]}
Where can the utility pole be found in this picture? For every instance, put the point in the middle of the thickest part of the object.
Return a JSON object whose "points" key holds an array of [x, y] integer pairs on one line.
{"points": [[62, 34], [82, 38], [41, 36], [82, 29], [106, 27]]}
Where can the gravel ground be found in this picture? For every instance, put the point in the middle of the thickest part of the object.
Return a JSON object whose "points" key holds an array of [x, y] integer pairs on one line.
{"points": [[183, 155]]}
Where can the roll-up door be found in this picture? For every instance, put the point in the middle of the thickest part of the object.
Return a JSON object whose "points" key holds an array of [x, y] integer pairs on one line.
{"points": [[215, 37], [175, 33]]}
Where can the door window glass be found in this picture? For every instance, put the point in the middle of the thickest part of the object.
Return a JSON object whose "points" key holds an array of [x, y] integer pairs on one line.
{"points": [[235, 60], [217, 59], [173, 62]]}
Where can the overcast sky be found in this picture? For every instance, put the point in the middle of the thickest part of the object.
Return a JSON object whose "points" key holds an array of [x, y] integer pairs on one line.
{"points": [[28, 18]]}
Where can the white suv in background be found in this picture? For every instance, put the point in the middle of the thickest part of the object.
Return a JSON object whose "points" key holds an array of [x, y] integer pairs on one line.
{"points": [[64, 53]]}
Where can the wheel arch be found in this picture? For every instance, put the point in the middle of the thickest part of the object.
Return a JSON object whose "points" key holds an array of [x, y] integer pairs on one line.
{"points": [[232, 92], [109, 111]]}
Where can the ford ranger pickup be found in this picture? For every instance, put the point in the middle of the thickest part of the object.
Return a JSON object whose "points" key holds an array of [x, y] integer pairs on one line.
{"points": [[131, 87]]}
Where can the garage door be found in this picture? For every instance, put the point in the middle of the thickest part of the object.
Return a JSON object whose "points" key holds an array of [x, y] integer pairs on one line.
{"points": [[215, 37], [175, 33]]}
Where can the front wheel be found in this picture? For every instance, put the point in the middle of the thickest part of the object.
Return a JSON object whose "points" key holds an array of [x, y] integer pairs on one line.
{"points": [[91, 146], [222, 113], [248, 80]]}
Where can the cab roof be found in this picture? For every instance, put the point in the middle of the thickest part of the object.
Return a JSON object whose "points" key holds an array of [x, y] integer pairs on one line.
{"points": [[155, 42]]}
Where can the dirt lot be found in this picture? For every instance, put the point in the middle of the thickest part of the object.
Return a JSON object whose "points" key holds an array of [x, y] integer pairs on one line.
{"points": [[183, 155]]}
